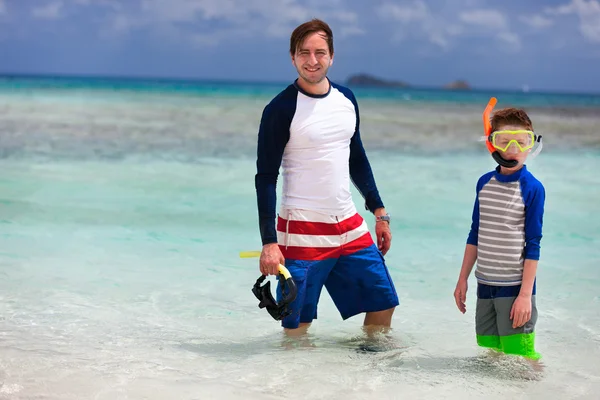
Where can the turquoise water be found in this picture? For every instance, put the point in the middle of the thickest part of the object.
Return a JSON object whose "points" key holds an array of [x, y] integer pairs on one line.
{"points": [[122, 215]]}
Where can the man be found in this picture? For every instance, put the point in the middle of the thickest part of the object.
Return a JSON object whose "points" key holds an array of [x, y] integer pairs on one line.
{"points": [[311, 129]]}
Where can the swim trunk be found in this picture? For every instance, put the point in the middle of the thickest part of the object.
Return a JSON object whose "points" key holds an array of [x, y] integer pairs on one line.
{"points": [[337, 252], [493, 325]]}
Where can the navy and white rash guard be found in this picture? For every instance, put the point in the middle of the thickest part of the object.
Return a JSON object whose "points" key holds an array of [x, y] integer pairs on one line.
{"points": [[316, 140]]}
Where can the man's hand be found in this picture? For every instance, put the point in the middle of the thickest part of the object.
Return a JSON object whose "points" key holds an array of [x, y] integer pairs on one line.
{"points": [[460, 295], [270, 258], [520, 312], [383, 232]]}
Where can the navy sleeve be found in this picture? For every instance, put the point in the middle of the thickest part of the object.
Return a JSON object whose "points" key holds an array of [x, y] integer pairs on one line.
{"points": [[360, 168], [273, 135], [534, 196], [474, 232]]}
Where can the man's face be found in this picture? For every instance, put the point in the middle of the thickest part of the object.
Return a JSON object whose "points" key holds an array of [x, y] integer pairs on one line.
{"points": [[312, 58]]}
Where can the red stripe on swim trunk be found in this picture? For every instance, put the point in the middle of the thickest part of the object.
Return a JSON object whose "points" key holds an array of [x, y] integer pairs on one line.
{"points": [[357, 244], [319, 228], [310, 253]]}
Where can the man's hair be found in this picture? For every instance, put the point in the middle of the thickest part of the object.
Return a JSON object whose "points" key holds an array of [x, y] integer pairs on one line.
{"points": [[308, 28], [511, 116]]}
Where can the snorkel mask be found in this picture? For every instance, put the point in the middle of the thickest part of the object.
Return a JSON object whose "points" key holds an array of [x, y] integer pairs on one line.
{"points": [[263, 293], [520, 140]]}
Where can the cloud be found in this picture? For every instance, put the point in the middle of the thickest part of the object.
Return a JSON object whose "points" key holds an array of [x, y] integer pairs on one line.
{"points": [[588, 13], [417, 15], [49, 11], [494, 22], [491, 19], [210, 21], [444, 28], [536, 21]]}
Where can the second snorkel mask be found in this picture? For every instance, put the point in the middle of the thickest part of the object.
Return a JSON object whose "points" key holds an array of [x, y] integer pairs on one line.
{"points": [[503, 140], [263, 293]]}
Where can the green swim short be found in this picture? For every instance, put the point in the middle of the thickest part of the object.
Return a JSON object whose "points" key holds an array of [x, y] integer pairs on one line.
{"points": [[493, 325]]}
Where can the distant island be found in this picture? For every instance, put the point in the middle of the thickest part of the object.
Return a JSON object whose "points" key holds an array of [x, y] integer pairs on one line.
{"points": [[373, 81], [457, 85], [370, 80]]}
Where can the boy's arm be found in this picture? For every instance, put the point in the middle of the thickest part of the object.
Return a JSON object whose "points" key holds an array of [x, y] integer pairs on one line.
{"points": [[469, 257], [529, 271], [460, 293], [534, 213], [520, 312], [535, 198]]}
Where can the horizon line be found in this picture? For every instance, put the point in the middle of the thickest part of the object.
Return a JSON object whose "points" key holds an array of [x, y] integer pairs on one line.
{"points": [[154, 78]]}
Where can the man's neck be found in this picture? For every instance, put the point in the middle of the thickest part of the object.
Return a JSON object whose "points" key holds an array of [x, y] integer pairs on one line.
{"points": [[314, 88]]}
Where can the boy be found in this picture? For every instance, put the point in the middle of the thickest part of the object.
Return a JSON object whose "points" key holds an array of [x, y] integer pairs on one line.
{"points": [[504, 239]]}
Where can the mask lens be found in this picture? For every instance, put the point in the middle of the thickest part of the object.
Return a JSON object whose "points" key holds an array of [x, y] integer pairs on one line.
{"points": [[515, 140]]}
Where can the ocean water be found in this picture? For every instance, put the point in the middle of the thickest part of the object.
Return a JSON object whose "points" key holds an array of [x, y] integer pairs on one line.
{"points": [[124, 206]]}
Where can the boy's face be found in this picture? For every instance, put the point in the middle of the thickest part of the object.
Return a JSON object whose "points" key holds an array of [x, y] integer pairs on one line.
{"points": [[513, 152]]}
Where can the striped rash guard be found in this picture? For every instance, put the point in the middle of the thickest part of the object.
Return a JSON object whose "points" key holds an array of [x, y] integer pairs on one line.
{"points": [[506, 226], [316, 140]]}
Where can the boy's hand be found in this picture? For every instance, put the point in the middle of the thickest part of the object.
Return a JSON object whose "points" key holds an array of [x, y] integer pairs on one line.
{"points": [[520, 312], [460, 295]]}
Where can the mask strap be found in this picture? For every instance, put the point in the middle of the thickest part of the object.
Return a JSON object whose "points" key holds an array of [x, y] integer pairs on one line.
{"points": [[539, 148]]}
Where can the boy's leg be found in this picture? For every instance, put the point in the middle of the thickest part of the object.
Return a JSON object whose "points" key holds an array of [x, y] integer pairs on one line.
{"points": [[309, 277], [516, 341], [360, 282], [486, 327]]}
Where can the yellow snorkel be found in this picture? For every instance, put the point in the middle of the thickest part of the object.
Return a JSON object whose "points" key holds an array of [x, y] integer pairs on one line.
{"points": [[263, 293]]}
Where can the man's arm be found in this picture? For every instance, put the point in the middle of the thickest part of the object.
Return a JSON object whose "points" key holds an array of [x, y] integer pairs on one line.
{"points": [[362, 174], [360, 169], [273, 135]]}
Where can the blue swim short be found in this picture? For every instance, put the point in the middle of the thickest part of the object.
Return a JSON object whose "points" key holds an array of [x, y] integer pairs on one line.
{"points": [[337, 252]]}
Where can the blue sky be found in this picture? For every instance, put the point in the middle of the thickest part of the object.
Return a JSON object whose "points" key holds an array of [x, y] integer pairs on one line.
{"points": [[546, 44]]}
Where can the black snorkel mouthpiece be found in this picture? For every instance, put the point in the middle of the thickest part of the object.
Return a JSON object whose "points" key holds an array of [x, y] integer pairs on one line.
{"points": [[503, 161], [263, 293]]}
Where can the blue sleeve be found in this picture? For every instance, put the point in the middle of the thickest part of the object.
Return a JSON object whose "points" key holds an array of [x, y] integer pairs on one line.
{"points": [[360, 168], [273, 135], [474, 232], [534, 197]]}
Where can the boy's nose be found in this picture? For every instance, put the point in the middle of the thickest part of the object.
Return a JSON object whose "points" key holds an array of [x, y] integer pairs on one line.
{"points": [[512, 148]]}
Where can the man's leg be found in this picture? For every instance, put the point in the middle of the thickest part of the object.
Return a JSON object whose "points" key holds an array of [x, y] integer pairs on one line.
{"points": [[309, 277], [379, 318], [310, 254], [360, 282], [301, 330]]}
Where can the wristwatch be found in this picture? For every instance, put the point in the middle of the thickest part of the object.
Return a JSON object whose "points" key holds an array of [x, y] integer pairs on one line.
{"points": [[385, 218]]}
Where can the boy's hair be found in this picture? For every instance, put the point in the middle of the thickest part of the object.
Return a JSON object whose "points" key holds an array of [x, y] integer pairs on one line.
{"points": [[511, 116], [308, 28]]}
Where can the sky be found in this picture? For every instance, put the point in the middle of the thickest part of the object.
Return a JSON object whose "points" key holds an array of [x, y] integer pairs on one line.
{"points": [[548, 45]]}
